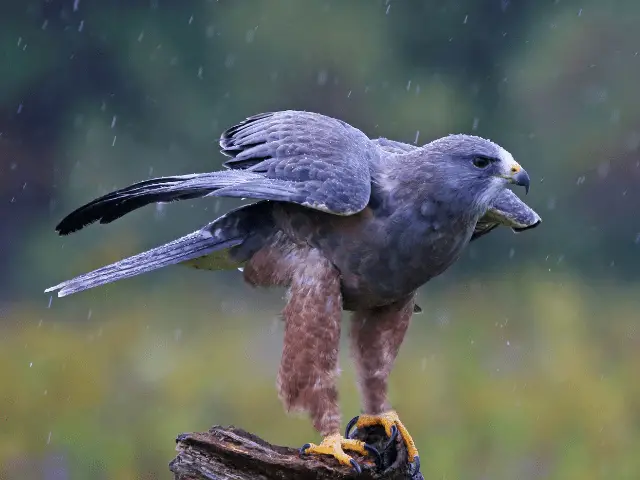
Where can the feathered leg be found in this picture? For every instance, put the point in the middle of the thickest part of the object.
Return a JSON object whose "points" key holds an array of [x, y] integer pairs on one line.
{"points": [[309, 366], [376, 336]]}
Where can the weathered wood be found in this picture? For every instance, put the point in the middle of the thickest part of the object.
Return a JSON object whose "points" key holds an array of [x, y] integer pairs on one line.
{"points": [[232, 453]]}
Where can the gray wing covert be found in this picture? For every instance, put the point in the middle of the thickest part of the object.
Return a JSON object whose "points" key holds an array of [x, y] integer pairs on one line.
{"points": [[317, 161]]}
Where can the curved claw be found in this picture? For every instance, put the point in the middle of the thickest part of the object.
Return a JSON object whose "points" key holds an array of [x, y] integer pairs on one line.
{"points": [[350, 425], [415, 466], [392, 438], [303, 448], [355, 466], [335, 445], [373, 451]]}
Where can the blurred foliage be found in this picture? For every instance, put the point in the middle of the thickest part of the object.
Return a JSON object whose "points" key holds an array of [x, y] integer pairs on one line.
{"points": [[523, 364]]}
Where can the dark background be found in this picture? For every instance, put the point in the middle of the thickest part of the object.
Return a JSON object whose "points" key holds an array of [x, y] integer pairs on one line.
{"points": [[524, 362]]}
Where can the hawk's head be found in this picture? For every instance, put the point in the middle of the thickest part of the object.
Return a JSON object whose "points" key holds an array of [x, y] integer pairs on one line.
{"points": [[472, 167]]}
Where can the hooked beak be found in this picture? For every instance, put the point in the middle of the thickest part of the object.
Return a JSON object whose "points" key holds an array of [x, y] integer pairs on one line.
{"points": [[519, 176]]}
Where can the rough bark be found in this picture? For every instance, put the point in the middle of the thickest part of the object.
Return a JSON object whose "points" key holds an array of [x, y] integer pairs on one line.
{"points": [[225, 453]]}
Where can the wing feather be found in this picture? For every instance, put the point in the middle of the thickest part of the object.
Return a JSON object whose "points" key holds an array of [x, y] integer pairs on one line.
{"points": [[326, 161]]}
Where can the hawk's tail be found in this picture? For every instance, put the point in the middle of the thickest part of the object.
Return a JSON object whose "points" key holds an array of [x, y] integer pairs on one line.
{"points": [[114, 205], [230, 230]]}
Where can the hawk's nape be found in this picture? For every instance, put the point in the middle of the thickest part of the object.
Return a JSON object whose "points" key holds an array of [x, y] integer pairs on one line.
{"points": [[343, 222]]}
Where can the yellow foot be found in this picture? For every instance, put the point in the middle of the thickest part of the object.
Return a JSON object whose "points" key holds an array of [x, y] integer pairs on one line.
{"points": [[392, 425], [336, 444]]}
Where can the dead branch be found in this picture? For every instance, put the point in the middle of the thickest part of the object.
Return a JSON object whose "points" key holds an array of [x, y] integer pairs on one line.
{"points": [[232, 453]]}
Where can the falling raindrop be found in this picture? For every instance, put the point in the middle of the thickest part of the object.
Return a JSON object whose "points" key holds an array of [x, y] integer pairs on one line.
{"points": [[615, 116], [50, 301], [551, 203], [603, 169], [322, 77]]}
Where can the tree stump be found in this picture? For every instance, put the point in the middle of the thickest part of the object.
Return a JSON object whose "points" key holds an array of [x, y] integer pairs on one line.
{"points": [[225, 453]]}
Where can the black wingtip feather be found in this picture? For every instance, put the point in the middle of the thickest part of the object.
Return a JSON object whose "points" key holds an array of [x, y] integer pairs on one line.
{"points": [[226, 139]]}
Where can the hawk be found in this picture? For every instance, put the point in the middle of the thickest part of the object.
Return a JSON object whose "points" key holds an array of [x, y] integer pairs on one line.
{"points": [[345, 223]]}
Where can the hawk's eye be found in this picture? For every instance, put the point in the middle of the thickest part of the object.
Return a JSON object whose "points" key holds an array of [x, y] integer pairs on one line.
{"points": [[482, 162]]}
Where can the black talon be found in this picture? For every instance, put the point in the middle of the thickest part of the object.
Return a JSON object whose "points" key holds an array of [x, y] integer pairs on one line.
{"points": [[350, 425], [414, 466], [355, 466], [373, 451], [303, 448], [392, 438]]}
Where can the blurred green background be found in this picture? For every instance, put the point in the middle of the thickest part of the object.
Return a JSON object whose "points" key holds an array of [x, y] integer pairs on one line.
{"points": [[524, 364]]}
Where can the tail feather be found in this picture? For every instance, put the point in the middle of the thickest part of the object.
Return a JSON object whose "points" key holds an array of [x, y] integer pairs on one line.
{"points": [[189, 247], [246, 227]]}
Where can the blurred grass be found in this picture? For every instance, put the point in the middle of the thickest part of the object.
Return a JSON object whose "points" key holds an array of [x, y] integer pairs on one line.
{"points": [[504, 379]]}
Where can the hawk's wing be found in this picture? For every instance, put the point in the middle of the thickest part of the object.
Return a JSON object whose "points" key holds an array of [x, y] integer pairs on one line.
{"points": [[291, 156], [325, 161], [507, 210]]}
